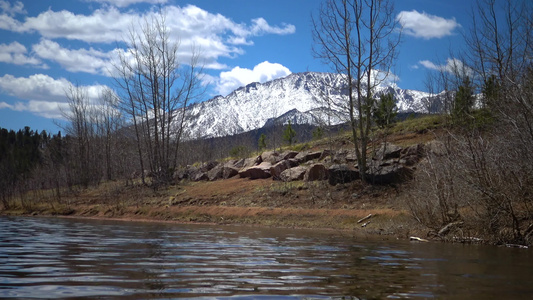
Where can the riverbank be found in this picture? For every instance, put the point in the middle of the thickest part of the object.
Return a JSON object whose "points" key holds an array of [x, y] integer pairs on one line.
{"points": [[261, 202]]}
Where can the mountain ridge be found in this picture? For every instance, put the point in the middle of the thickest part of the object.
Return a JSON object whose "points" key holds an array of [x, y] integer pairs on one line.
{"points": [[298, 97]]}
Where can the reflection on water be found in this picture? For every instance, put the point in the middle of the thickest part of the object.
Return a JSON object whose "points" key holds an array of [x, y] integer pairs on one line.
{"points": [[53, 258]]}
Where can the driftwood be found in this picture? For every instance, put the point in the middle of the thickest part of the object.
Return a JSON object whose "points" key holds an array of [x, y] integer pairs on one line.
{"points": [[366, 223], [365, 218], [446, 229], [415, 238], [516, 246]]}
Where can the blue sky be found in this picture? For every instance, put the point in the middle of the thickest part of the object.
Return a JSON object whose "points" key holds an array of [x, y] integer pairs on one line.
{"points": [[45, 45]]}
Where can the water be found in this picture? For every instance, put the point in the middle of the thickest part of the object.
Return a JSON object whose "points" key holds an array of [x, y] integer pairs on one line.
{"points": [[65, 258]]}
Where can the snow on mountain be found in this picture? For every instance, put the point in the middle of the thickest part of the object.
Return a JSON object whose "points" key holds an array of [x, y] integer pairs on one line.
{"points": [[299, 97]]}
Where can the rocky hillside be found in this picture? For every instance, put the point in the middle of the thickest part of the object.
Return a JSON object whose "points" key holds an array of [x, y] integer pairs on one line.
{"points": [[297, 97], [390, 164]]}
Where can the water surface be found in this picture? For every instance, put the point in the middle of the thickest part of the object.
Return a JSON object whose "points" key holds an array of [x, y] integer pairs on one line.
{"points": [[66, 258]]}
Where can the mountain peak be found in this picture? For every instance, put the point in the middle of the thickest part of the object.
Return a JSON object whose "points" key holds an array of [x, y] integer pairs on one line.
{"points": [[297, 97]]}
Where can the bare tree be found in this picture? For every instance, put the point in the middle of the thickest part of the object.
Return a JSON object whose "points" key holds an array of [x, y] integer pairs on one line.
{"points": [[358, 38], [155, 91], [84, 163]]}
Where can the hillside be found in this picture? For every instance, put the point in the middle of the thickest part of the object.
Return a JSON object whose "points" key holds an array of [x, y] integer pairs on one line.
{"points": [[266, 202]]}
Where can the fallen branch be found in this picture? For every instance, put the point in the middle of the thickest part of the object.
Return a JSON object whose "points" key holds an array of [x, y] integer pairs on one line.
{"points": [[446, 229], [365, 218], [415, 238]]}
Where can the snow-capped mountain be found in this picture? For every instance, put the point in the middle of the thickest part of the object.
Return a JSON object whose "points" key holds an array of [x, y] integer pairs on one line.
{"points": [[299, 97]]}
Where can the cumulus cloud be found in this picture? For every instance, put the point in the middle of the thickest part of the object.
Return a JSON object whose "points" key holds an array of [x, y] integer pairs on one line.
{"points": [[41, 94], [12, 9], [426, 26], [15, 53], [50, 110], [80, 60], [237, 77], [213, 35], [452, 66]]}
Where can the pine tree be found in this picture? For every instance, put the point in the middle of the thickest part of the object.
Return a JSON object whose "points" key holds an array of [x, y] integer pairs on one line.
{"points": [[289, 134], [385, 111], [464, 100], [262, 142]]}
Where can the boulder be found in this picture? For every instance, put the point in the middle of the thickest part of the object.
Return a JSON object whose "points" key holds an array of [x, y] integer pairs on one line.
{"points": [[388, 173], [238, 164], [250, 162], [216, 173], [256, 172], [272, 157], [288, 154], [342, 173], [293, 174], [325, 154], [316, 172], [199, 176], [306, 156], [281, 166], [228, 172], [387, 151]]}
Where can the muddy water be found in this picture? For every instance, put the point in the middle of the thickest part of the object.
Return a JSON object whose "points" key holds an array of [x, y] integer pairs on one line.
{"points": [[64, 258]]}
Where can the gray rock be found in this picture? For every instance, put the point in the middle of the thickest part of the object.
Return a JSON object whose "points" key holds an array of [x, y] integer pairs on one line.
{"points": [[288, 154], [281, 166], [293, 174], [272, 157], [342, 174], [252, 161], [387, 174], [216, 173], [387, 151], [256, 172], [306, 156], [316, 172]]}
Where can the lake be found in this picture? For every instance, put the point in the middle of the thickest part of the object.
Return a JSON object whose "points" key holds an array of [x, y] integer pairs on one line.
{"points": [[69, 258]]}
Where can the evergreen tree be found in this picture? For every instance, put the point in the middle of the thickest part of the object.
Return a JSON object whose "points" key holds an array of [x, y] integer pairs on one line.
{"points": [[318, 133], [385, 111], [289, 134], [464, 100], [262, 142]]}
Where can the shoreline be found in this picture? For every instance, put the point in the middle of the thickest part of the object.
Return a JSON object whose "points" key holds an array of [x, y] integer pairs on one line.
{"points": [[383, 223]]}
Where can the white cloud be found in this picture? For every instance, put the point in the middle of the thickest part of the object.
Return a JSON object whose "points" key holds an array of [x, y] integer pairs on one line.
{"points": [[12, 9], [214, 35], [15, 53], [426, 26], [126, 3], [452, 66], [51, 110], [81, 60], [261, 26], [237, 77], [42, 94]]}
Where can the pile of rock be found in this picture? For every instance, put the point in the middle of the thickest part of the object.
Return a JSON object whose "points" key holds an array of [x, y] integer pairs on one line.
{"points": [[389, 164]]}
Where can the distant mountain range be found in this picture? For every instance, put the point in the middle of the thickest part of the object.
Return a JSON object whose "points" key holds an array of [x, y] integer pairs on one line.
{"points": [[299, 97]]}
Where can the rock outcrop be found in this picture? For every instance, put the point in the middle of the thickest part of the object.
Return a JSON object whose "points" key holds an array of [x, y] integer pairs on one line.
{"points": [[390, 164]]}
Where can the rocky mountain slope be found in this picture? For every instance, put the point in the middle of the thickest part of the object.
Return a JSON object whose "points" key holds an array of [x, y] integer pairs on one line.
{"points": [[298, 97]]}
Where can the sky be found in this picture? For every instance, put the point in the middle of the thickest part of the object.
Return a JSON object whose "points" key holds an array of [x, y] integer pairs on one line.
{"points": [[47, 45]]}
